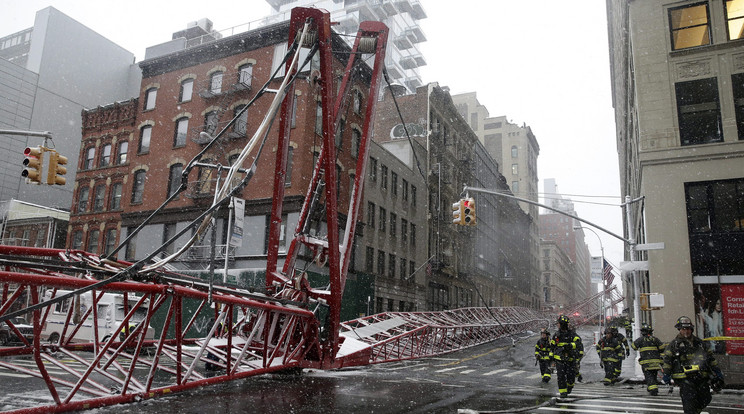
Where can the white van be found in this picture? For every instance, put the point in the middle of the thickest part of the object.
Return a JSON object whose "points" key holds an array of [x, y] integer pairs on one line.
{"points": [[110, 315]]}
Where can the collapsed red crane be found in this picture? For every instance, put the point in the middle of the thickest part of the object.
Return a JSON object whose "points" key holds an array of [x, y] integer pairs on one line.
{"points": [[248, 333]]}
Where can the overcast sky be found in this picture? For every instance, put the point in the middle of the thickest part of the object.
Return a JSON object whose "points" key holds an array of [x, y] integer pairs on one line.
{"points": [[543, 63]]}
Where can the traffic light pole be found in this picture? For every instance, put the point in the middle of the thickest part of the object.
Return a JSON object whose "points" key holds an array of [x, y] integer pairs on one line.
{"points": [[465, 189]]}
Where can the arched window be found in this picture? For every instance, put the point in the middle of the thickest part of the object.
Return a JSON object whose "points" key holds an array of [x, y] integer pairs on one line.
{"points": [[187, 89], [144, 143], [121, 154], [245, 74], [105, 156], [174, 178], [150, 97], [138, 186], [215, 82], [182, 128], [514, 151]]}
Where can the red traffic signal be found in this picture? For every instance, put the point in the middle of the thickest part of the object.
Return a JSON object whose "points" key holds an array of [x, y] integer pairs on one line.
{"points": [[33, 164]]}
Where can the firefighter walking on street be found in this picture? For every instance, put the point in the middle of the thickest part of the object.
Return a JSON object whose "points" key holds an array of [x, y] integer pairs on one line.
{"points": [[625, 348], [650, 349], [544, 355], [566, 345], [690, 363], [610, 356]]}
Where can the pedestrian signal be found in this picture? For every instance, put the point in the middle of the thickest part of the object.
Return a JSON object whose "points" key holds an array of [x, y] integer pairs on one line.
{"points": [[33, 164], [468, 211], [57, 169], [457, 213]]}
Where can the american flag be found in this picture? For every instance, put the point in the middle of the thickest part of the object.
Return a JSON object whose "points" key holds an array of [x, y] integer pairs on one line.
{"points": [[608, 276]]}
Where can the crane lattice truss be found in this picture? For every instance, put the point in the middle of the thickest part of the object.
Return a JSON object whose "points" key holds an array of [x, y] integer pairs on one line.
{"points": [[590, 308], [287, 325]]}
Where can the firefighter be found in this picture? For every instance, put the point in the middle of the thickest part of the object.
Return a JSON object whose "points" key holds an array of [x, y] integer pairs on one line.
{"points": [[625, 347], [544, 355], [690, 363], [650, 349], [628, 330], [610, 356], [565, 345]]}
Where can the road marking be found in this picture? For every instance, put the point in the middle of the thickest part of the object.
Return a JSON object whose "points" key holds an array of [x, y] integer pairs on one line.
{"points": [[10, 374], [511, 374], [467, 371], [495, 372], [450, 369]]}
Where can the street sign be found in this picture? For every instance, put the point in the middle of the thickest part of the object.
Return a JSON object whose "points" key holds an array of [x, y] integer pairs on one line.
{"points": [[596, 264], [236, 234], [649, 246], [632, 266]]}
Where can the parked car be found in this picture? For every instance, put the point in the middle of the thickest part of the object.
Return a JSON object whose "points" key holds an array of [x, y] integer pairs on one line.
{"points": [[8, 336]]}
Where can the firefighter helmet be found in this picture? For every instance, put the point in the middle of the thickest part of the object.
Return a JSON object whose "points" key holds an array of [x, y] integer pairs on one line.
{"points": [[563, 320], [544, 331], [646, 329], [613, 329], [684, 322], [608, 331]]}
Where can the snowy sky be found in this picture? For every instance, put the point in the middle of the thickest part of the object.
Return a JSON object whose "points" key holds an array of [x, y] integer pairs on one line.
{"points": [[544, 63]]}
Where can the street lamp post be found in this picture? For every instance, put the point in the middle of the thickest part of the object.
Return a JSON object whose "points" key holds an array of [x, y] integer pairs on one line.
{"points": [[601, 248]]}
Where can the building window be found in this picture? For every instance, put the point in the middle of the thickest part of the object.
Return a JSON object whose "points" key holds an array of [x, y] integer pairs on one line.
{"points": [[413, 196], [371, 215], [716, 206], [90, 156], [735, 19], [372, 169], [83, 199], [699, 111], [514, 151], [245, 74], [290, 162], [413, 235], [515, 187], [381, 263], [715, 219], [411, 268], [174, 178], [356, 140], [403, 231], [318, 118], [150, 97], [240, 127], [405, 190], [77, 240], [131, 250], [391, 265], [403, 269], [105, 156], [109, 241], [369, 260], [138, 186], [215, 82], [383, 218], [737, 84], [187, 90], [144, 142], [340, 133], [357, 103], [393, 224], [394, 183], [115, 201], [515, 169], [182, 128], [383, 177], [121, 154], [93, 241], [210, 122], [100, 196], [204, 182], [689, 26]]}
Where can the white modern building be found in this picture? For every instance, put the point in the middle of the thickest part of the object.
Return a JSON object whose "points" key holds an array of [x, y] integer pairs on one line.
{"points": [[403, 58]]}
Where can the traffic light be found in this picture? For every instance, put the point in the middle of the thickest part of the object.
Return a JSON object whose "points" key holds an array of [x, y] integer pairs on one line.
{"points": [[468, 211], [33, 164], [57, 169], [457, 213]]}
